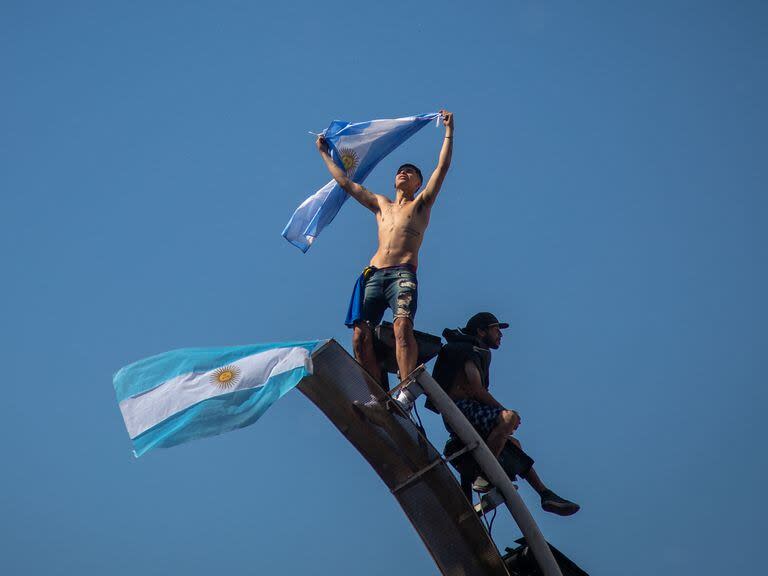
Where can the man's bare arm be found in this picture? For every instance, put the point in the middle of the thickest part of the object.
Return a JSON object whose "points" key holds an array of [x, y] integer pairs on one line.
{"points": [[359, 193], [475, 388], [431, 190]]}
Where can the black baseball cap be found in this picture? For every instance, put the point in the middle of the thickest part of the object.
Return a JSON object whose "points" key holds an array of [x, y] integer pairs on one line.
{"points": [[415, 168], [483, 320]]}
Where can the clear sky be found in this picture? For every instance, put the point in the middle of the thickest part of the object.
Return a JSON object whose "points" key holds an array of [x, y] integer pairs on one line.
{"points": [[607, 198]]}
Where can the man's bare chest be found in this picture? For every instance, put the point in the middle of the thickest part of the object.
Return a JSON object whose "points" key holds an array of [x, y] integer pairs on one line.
{"points": [[410, 217]]}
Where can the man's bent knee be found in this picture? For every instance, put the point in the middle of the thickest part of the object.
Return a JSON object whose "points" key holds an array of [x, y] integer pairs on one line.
{"points": [[509, 419]]}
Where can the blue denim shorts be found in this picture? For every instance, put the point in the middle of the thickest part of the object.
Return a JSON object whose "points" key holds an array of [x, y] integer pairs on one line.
{"points": [[396, 288]]}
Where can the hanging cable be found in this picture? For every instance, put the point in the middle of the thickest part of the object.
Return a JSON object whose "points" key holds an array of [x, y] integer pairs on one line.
{"points": [[490, 526], [482, 512], [418, 417]]}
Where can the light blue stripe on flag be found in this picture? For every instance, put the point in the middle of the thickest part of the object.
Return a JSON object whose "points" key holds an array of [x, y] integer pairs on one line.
{"points": [[197, 392], [363, 145], [146, 374]]}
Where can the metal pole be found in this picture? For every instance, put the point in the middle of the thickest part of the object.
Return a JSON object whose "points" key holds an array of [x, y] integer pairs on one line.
{"points": [[493, 471]]}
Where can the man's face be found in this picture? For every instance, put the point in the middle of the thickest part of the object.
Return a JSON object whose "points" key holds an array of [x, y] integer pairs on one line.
{"points": [[407, 180], [491, 336]]}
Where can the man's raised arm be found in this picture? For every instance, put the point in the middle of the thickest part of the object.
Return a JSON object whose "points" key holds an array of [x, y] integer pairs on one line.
{"points": [[431, 190], [359, 193]]}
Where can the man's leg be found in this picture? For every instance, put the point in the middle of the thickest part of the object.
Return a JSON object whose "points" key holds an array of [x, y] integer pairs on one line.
{"points": [[406, 350], [372, 309], [531, 476], [550, 501], [507, 424], [362, 344], [402, 295]]}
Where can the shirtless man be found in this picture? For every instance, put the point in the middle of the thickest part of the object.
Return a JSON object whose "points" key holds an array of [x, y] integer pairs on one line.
{"points": [[390, 280]]}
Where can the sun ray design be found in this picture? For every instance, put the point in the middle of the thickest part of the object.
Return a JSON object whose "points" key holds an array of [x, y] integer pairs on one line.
{"points": [[226, 377], [350, 159]]}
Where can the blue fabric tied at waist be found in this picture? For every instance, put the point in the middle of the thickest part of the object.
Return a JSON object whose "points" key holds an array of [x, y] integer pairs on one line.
{"points": [[355, 311]]}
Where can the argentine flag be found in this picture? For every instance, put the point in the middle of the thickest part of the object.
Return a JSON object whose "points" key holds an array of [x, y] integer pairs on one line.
{"points": [[197, 392], [357, 149]]}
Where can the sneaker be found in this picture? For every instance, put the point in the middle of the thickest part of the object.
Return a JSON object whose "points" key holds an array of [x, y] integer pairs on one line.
{"points": [[551, 502], [481, 485]]}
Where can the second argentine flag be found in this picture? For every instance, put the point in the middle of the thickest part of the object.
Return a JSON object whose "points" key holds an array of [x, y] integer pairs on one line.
{"points": [[197, 392], [356, 148]]}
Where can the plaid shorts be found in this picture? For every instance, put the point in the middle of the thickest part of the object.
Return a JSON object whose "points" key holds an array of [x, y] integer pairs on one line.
{"points": [[484, 418]]}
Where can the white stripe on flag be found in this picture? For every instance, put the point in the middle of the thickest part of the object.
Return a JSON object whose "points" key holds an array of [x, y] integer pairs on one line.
{"points": [[146, 410]]}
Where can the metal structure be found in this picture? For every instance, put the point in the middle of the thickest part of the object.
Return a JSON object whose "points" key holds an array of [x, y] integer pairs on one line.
{"points": [[409, 465], [520, 561], [415, 472], [490, 467]]}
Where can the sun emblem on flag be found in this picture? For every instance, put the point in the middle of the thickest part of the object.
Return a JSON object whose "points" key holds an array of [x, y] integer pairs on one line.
{"points": [[350, 159], [226, 377]]}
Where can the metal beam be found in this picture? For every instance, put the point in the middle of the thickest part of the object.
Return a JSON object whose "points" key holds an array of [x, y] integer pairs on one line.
{"points": [[490, 466], [406, 462]]}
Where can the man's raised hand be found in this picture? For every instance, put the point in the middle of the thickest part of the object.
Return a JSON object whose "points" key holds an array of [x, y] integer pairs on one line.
{"points": [[322, 144], [447, 119]]}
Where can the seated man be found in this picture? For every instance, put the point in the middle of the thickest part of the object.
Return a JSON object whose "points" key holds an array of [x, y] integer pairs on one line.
{"points": [[462, 370]]}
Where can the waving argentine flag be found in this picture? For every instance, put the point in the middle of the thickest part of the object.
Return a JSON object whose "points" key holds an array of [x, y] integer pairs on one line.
{"points": [[197, 392], [357, 149]]}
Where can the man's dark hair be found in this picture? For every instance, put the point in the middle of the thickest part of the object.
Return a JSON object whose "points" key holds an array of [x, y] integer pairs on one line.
{"points": [[415, 168]]}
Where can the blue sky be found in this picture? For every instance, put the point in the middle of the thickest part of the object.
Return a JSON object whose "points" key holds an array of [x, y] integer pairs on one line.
{"points": [[607, 198]]}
